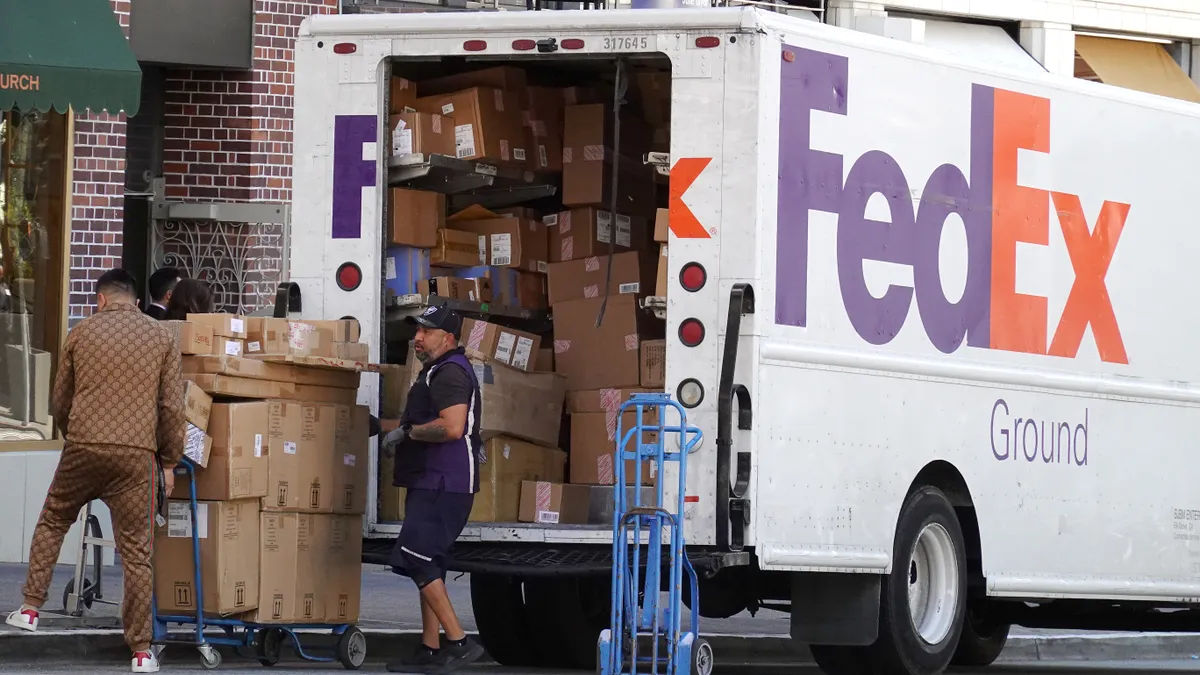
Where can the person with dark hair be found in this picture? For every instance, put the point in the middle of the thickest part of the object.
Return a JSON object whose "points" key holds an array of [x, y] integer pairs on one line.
{"points": [[162, 286], [191, 296], [118, 402]]}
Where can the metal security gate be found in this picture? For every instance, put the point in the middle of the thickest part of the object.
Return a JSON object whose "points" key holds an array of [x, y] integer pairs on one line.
{"points": [[239, 248]]}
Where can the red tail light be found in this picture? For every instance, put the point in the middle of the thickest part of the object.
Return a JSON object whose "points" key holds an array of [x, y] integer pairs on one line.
{"points": [[345, 48], [691, 332], [474, 45], [708, 42], [571, 43], [693, 277], [523, 45], [349, 276]]}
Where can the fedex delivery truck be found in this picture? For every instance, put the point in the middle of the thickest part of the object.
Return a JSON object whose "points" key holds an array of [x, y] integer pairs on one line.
{"points": [[933, 318]]}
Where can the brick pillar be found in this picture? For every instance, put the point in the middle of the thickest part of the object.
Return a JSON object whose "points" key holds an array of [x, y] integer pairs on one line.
{"points": [[98, 202]]}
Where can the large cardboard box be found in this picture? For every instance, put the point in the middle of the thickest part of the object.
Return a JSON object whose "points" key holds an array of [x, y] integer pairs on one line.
{"points": [[318, 434], [531, 291], [512, 241], [255, 369], [654, 92], [552, 503], [600, 400], [404, 267], [520, 404], [229, 545], [594, 445], [351, 459], [504, 463], [417, 215], [654, 364], [191, 338], [242, 387], [224, 325], [197, 405], [597, 358], [662, 229], [505, 282], [501, 344], [459, 249], [473, 290], [508, 78], [237, 464], [660, 284], [402, 95], [421, 134], [342, 583], [487, 123], [226, 346], [577, 279], [587, 231], [543, 116], [336, 330], [292, 570], [588, 154], [286, 428]]}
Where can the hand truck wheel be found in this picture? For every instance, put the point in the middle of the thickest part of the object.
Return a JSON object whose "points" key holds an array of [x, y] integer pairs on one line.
{"points": [[702, 657], [352, 648], [87, 596], [210, 658], [268, 645]]}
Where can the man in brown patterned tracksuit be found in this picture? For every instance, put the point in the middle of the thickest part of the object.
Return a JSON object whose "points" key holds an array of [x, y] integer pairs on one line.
{"points": [[118, 401]]}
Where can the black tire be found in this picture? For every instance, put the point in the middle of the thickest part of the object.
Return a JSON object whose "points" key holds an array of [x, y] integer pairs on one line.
{"points": [[839, 660], [352, 648], [900, 650], [268, 646], [982, 639], [724, 596], [572, 611], [503, 621], [87, 597]]}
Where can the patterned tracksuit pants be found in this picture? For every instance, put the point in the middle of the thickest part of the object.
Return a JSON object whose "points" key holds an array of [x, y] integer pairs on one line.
{"points": [[124, 479]]}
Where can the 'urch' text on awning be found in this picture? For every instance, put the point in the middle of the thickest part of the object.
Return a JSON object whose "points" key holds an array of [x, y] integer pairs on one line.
{"points": [[18, 82]]}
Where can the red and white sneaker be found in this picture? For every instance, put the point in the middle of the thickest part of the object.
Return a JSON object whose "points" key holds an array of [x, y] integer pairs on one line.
{"points": [[25, 619], [145, 662]]}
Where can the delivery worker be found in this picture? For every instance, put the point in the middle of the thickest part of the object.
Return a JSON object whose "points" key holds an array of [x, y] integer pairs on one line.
{"points": [[436, 449], [118, 401]]}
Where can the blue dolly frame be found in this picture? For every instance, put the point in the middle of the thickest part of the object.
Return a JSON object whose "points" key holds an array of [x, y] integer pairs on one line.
{"points": [[632, 623], [268, 641]]}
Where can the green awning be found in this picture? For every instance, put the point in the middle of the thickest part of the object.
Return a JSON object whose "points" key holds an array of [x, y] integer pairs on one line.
{"points": [[60, 53]]}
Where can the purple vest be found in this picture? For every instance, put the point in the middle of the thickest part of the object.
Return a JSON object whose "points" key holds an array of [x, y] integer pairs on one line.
{"points": [[452, 466]]}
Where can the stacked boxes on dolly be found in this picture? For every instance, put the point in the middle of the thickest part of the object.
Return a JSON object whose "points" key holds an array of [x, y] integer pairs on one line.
{"points": [[568, 254], [280, 474]]}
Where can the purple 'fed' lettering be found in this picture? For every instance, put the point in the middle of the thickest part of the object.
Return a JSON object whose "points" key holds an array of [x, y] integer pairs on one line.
{"points": [[351, 173]]}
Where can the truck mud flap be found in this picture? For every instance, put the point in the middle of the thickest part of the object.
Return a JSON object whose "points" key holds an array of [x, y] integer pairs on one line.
{"points": [[733, 507]]}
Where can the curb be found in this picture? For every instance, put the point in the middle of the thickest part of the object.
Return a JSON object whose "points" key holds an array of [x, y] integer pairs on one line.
{"points": [[383, 644]]}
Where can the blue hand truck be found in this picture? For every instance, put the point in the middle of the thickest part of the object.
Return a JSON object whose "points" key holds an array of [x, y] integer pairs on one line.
{"points": [[267, 640], [634, 623]]}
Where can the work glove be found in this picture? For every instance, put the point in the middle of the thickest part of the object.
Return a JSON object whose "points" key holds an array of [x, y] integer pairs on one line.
{"points": [[394, 438]]}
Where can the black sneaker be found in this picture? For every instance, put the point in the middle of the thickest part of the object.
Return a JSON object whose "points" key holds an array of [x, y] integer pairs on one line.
{"points": [[459, 654], [422, 660]]}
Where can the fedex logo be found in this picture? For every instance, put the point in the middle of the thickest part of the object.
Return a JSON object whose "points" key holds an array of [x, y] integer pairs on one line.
{"points": [[996, 212]]}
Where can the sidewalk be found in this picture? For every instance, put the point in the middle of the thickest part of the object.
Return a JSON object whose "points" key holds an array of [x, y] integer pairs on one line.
{"points": [[391, 618]]}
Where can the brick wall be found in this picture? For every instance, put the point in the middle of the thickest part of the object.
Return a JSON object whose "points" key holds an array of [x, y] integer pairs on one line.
{"points": [[98, 202]]}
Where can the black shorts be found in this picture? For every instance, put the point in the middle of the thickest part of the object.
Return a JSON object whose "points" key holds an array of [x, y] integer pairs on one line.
{"points": [[433, 521]]}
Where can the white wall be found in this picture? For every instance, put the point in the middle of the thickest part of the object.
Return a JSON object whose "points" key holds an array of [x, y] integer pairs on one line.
{"points": [[1165, 18]]}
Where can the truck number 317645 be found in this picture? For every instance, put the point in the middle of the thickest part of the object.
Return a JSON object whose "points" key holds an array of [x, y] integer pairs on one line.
{"points": [[626, 43]]}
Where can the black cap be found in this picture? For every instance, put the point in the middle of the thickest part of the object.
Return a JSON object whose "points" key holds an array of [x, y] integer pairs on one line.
{"points": [[440, 318]]}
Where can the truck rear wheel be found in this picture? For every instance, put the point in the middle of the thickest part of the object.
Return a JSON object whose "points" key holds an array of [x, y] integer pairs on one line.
{"points": [[982, 639], [568, 614], [503, 621], [923, 600]]}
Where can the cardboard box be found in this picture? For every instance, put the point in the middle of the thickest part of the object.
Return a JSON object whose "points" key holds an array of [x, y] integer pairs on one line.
{"points": [[593, 447], [600, 400], [504, 463], [229, 547], [545, 360], [532, 291], [586, 231], [417, 215], [654, 92], [585, 94], [402, 95], [662, 229], [285, 488], [487, 123], [391, 498], [520, 404], [654, 364], [420, 134], [224, 346], [474, 290], [404, 267], [246, 388], [197, 446], [579, 279], [197, 405], [552, 503], [237, 464], [587, 160], [505, 282], [280, 337], [543, 116], [255, 369], [191, 338], [459, 248], [342, 582], [504, 345], [395, 381], [352, 351], [223, 325], [292, 570], [660, 284], [337, 330], [509, 78], [318, 433], [511, 241], [351, 460], [597, 358]]}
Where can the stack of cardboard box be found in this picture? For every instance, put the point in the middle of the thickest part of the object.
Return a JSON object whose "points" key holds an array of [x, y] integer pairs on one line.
{"points": [[283, 490]]}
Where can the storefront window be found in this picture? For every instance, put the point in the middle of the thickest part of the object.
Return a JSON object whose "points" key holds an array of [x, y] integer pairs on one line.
{"points": [[33, 211]]}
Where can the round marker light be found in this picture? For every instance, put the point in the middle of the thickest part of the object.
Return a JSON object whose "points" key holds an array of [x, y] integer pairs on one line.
{"points": [[691, 332], [523, 45], [349, 276], [693, 277], [690, 393], [474, 45]]}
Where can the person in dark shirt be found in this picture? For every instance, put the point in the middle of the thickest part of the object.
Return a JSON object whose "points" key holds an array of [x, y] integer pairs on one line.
{"points": [[436, 448], [162, 285]]}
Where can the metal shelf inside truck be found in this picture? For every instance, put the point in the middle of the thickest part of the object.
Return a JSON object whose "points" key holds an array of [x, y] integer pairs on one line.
{"points": [[469, 182]]}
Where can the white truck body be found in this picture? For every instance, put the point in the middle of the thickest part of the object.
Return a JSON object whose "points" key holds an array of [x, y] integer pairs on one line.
{"points": [[1020, 324]]}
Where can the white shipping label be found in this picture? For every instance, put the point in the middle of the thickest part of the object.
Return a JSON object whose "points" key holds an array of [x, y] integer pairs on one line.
{"points": [[464, 140], [624, 231], [501, 249], [543, 266], [237, 326], [233, 348], [633, 287], [289, 447], [548, 517], [258, 445], [523, 353], [349, 460], [193, 444], [483, 250], [390, 272], [254, 347], [603, 226], [504, 348], [448, 108], [543, 158], [179, 520], [504, 150], [402, 142], [519, 154], [550, 220]]}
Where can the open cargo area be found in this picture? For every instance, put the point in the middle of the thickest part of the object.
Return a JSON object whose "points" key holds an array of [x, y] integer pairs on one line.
{"points": [[504, 178]]}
